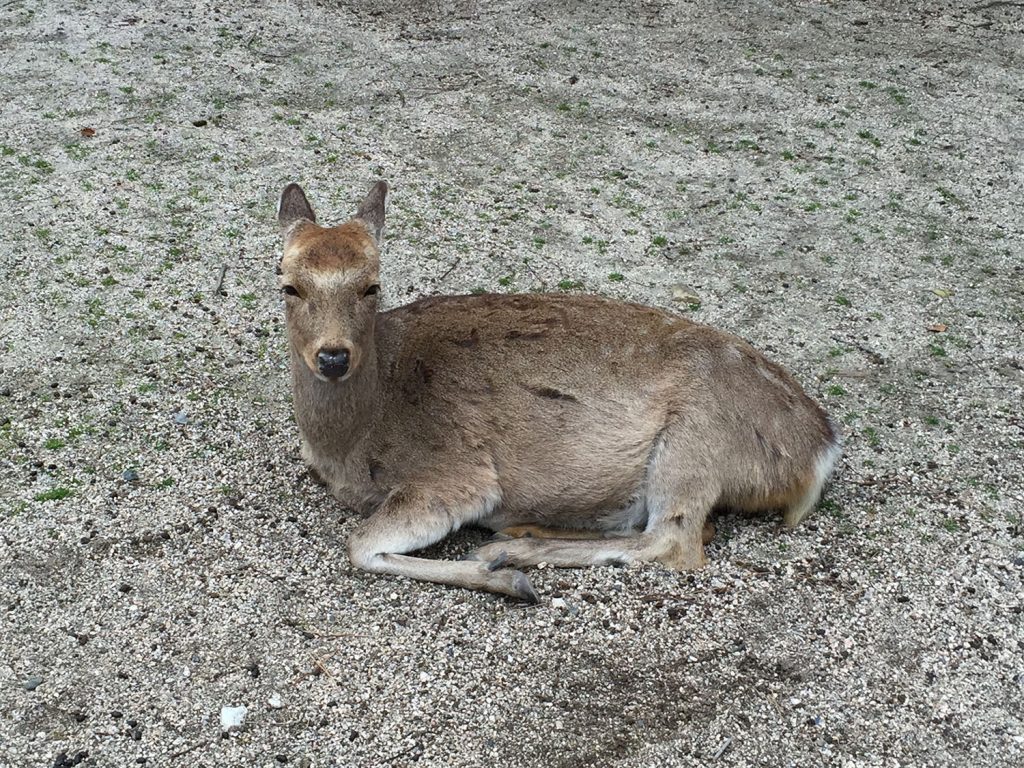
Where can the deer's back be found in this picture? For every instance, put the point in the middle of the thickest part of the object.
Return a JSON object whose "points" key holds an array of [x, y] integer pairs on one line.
{"points": [[541, 357]]}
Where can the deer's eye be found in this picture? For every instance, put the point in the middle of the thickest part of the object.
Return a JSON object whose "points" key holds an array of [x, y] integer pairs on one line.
{"points": [[289, 290], [373, 290]]}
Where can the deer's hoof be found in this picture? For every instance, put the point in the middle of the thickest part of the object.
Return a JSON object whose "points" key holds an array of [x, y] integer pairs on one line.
{"points": [[524, 590]]}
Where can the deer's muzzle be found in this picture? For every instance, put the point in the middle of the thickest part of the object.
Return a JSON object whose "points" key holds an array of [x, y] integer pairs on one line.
{"points": [[333, 363]]}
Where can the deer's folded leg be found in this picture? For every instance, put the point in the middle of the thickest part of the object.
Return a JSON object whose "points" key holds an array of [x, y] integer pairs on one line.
{"points": [[410, 519], [543, 532]]}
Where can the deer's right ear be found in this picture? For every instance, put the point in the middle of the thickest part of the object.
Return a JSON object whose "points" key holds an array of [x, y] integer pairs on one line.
{"points": [[293, 206]]}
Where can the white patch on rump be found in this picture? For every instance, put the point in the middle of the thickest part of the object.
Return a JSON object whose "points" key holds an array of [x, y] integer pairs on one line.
{"points": [[822, 469]]}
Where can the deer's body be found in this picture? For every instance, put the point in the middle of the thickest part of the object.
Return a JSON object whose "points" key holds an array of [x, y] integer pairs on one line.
{"points": [[566, 412]]}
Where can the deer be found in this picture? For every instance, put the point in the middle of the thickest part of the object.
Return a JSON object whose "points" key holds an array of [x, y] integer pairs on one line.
{"points": [[582, 430]]}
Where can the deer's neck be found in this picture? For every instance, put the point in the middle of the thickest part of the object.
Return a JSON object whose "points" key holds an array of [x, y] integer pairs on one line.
{"points": [[335, 416]]}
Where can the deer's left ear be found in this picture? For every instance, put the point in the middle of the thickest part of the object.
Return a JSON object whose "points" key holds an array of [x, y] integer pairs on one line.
{"points": [[293, 206], [372, 209]]}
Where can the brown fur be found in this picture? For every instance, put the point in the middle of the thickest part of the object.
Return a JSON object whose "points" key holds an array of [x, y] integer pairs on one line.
{"points": [[567, 412], [333, 249]]}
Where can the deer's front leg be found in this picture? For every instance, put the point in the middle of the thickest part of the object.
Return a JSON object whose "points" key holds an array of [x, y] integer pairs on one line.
{"points": [[411, 518]]}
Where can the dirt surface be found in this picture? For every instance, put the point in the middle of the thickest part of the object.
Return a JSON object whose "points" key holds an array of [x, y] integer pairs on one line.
{"points": [[838, 182]]}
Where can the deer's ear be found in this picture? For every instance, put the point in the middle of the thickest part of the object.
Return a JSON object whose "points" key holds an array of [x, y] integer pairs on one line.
{"points": [[293, 206], [372, 209]]}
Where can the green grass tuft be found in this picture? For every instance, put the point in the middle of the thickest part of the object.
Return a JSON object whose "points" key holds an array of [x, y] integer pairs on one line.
{"points": [[54, 494]]}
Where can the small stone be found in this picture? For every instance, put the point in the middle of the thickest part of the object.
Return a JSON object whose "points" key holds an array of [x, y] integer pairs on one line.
{"points": [[275, 701], [63, 760], [181, 418], [557, 602], [130, 475], [232, 717], [32, 683]]}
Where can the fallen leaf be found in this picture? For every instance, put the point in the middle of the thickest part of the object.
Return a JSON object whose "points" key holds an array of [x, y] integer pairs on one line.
{"points": [[683, 294], [942, 293], [937, 327], [88, 132]]}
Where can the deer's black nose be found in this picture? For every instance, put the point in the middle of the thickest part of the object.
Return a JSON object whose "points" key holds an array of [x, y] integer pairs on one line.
{"points": [[333, 363]]}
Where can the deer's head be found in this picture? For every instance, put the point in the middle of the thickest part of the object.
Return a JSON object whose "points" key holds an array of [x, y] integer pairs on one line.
{"points": [[329, 281]]}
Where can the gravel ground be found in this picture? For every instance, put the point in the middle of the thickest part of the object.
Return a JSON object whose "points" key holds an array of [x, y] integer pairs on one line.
{"points": [[837, 182]]}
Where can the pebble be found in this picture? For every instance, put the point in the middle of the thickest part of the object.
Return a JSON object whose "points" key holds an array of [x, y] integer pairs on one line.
{"points": [[275, 701], [181, 418], [232, 717], [63, 760], [130, 475], [32, 683]]}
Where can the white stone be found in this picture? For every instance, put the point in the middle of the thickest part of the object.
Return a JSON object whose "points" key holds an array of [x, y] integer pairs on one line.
{"points": [[232, 717]]}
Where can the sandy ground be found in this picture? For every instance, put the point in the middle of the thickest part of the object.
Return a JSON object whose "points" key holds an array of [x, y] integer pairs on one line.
{"points": [[838, 182]]}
